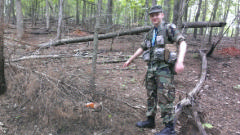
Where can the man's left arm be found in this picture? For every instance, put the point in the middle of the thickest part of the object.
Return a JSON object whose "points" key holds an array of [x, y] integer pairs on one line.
{"points": [[179, 66]]}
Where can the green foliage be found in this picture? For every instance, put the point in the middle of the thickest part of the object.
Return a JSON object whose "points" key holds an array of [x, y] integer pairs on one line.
{"points": [[207, 125], [125, 12]]}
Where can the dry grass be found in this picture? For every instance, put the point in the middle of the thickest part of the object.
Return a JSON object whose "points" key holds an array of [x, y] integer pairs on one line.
{"points": [[48, 95]]}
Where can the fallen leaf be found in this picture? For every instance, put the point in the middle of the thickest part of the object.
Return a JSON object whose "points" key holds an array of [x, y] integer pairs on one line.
{"points": [[207, 125]]}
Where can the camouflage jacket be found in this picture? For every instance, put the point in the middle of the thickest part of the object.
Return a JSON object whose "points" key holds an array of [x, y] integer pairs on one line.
{"points": [[166, 34]]}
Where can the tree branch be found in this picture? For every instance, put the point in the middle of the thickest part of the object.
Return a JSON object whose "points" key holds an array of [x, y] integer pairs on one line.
{"points": [[189, 100]]}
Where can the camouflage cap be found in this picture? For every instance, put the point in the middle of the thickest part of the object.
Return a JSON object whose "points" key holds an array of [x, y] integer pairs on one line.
{"points": [[155, 9]]}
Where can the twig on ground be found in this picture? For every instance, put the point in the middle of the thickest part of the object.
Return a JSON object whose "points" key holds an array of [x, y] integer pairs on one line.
{"points": [[40, 57], [56, 82], [61, 56], [21, 42], [51, 79]]}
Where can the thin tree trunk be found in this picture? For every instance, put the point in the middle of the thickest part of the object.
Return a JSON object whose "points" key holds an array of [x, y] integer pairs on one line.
{"points": [[196, 18], [189, 17], [95, 49], [213, 18], [109, 12], [34, 10], [238, 24], [8, 12], [92, 16], [204, 15], [77, 12], [232, 33], [84, 13], [176, 11], [59, 29], [180, 12], [47, 15], [167, 10], [146, 13], [2, 77], [13, 12], [186, 13], [154, 2], [135, 17], [225, 16], [20, 30]]}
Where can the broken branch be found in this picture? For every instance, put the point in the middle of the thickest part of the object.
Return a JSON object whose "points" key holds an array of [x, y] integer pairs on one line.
{"points": [[189, 100]]}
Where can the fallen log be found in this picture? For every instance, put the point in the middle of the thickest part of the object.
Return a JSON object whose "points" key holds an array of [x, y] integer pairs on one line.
{"points": [[127, 32], [90, 38], [203, 24]]}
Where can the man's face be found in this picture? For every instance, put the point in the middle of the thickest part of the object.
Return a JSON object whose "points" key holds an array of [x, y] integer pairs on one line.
{"points": [[156, 18]]}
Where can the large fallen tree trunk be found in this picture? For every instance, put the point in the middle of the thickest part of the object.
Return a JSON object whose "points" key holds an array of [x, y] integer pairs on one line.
{"points": [[100, 37], [203, 24], [128, 32]]}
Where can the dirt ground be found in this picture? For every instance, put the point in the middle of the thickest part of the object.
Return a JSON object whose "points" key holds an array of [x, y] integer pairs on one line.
{"points": [[47, 96]]}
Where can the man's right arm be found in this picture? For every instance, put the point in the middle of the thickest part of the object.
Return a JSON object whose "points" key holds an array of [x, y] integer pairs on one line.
{"points": [[135, 55]]}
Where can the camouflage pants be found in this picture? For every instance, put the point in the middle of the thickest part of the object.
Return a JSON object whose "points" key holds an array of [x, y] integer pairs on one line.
{"points": [[160, 91]]}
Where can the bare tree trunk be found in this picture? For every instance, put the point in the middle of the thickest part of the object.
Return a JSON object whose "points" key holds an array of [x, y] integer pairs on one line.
{"points": [[20, 30], [180, 12], [47, 15], [109, 12], [8, 12], [167, 10], [34, 12], [225, 15], [135, 16], [213, 18], [238, 24], [59, 29], [146, 13], [185, 14], [186, 11], [175, 11], [95, 49], [204, 15], [154, 2], [2, 77], [84, 13], [196, 18], [13, 12], [77, 12]]}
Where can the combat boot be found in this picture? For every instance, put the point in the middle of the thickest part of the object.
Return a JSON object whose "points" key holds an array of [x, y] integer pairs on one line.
{"points": [[149, 123], [168, 130]]}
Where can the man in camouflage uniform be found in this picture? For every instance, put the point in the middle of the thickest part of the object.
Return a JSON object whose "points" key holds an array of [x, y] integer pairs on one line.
{"points": [[162, 64]]}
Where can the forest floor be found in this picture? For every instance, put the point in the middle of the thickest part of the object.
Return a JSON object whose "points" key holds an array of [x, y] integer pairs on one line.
{"points": [[47, 96]]}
